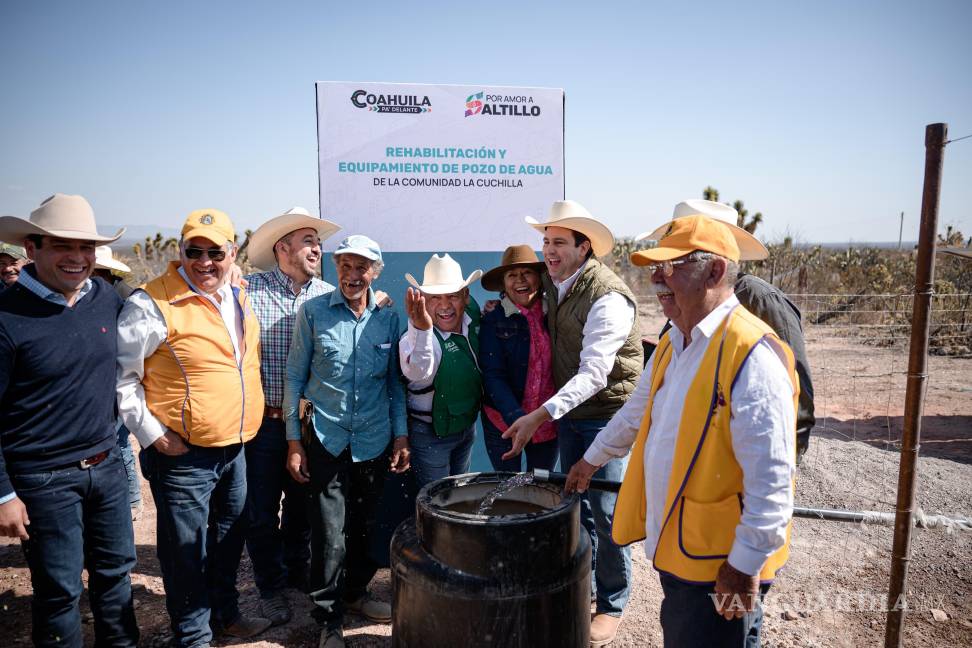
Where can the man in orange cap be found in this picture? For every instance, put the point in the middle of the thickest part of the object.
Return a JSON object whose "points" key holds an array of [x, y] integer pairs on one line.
{"points": [[189, 390], [712, 422]]}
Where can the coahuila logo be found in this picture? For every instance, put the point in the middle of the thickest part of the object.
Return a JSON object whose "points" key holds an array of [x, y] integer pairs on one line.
{"points": [[391, 103], [482, 103]]}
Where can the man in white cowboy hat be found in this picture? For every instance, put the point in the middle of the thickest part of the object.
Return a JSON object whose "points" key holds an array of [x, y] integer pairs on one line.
{"points": [[62, 485], [189, 390], [709, 485], [438, 359], [344, 361], [288, 249], [762, 299], [597, 358], [107, 267], [12, 259]]}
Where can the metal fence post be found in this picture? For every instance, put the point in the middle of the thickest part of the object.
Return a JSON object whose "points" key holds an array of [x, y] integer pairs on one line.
{"points": [[935, 136]]}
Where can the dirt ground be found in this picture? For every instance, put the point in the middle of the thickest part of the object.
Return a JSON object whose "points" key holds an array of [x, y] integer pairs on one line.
{"points": [[834, 588]]}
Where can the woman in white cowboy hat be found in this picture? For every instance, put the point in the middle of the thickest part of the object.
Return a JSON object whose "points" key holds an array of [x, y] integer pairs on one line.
{"points": [[515, 356], [438, 359]]}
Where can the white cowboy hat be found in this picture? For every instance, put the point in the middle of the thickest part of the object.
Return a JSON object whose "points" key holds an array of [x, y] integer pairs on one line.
{"points": [[60, 216], [106, 261], [443, 276], [572, 215], [260, 249], [750, 249]]}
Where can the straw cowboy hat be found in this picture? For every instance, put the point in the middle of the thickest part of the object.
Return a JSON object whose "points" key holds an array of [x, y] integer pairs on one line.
{"points": [[572, 215], [750, 249], [106, 261], [60, 216], [260, 249], [443, 276], [514, 256]]}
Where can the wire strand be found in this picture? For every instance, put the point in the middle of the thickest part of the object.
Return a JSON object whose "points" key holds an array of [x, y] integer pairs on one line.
{"points": [[957, 139]]}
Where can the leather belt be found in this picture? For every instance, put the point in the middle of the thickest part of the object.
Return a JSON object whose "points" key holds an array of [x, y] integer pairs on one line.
{"points": [[273, 413], [84, 464]]}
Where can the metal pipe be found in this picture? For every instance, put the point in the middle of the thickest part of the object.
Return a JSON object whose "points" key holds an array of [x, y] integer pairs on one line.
{"points": [[935, 137]]}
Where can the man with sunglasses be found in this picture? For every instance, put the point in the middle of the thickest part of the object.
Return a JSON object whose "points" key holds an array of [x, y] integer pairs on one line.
{"points": [[189, 390]]}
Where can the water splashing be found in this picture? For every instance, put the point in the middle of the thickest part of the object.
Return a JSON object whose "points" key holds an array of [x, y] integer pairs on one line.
{"points": [[504, 487]]}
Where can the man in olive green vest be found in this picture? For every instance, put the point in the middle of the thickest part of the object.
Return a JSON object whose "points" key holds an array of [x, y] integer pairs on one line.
{"points": [[597, 358], [438, 359]]}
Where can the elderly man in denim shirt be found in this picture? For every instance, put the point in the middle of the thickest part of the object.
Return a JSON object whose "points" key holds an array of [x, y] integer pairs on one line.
{"points": [[344, 358]]}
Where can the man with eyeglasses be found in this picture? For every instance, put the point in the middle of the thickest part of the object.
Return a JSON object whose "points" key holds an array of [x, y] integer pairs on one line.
{"points": [[189, 390], [288, 248], [711, 430]]}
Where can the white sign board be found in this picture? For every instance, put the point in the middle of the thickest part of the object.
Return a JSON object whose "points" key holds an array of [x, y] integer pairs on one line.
{"points": [[424, 168]]}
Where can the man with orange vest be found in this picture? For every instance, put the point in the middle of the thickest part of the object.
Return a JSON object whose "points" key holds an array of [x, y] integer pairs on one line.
{"points": [[189, 390], [712, 422]]}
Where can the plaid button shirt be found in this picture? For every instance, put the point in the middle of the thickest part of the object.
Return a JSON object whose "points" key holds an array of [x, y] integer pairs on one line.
{"points": [[276, 306]]}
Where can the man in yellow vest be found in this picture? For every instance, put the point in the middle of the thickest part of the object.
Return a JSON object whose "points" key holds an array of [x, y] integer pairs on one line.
{"points": [[189, 390], [712, 422]]}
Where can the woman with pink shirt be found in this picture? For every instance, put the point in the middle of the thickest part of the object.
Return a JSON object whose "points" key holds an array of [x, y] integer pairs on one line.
{"points": [[514, 356]]}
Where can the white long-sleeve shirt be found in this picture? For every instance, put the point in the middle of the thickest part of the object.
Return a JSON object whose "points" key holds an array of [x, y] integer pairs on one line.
{"points": [[607, 327], [141, 331], [762, 424], [419, 355]]}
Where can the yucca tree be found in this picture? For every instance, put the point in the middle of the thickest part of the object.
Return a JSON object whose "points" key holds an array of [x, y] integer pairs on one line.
{"points": [[748, 224]]}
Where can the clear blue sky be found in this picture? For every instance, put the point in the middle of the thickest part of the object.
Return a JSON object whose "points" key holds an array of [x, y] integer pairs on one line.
{"points": [[812, 112]]}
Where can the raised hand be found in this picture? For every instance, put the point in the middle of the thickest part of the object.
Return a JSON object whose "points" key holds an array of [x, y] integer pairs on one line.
{"points": [[415, 308]]}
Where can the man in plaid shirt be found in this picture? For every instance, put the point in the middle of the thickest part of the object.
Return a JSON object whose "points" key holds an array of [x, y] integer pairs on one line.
{"points": [[289, 248]]}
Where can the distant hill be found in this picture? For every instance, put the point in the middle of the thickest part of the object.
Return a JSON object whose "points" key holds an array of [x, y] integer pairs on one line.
{"points": [[136, 234]]}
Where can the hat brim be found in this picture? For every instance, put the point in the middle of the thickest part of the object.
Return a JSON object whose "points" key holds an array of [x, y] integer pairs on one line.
{"points": [[260, 248], [657, 255], [750, 247], [443, 289], [602, 240], [13, 229], [493, 280], [112, 264]]}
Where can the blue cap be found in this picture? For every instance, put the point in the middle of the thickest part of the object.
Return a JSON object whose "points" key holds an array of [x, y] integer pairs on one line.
{"points": [[360, 245]]}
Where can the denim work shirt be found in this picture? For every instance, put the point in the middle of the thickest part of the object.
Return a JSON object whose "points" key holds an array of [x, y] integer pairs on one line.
{"points": [[348, 368]]}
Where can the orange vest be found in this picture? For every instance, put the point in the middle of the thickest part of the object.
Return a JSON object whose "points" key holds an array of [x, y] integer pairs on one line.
{"points": [[192, 382], [704, 498]]}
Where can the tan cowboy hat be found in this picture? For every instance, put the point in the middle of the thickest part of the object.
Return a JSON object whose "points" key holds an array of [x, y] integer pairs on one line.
{"points": [[750, 248], [260, 249], [513, 256], [572, 215], [443, 276], [106, 261], [60, 216]]}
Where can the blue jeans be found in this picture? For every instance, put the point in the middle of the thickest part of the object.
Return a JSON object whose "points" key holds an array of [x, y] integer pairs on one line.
{"points": [[279, 547], [689, 619], [538, 455], [434, 457], [200, 497], [80, 519], [128, 458], [611, 564]]}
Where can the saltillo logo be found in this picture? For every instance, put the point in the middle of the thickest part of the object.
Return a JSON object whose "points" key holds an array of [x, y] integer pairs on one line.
{"points": [[498, 105], [391, 103]]}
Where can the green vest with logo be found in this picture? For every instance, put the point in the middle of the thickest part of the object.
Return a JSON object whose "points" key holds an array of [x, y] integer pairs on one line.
{"points": [[566, 324], [458, 383]]}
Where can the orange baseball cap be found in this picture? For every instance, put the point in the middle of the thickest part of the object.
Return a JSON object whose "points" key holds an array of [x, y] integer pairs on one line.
{"points": [[688, 234], [211, 224]]}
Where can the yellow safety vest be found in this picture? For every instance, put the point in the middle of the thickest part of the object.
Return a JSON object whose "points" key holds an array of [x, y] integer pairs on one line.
{"points": [[704, 499], [192, 382]]}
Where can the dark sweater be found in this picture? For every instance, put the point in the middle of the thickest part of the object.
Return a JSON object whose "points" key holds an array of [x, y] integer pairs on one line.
{"points": [[57, 379]]}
